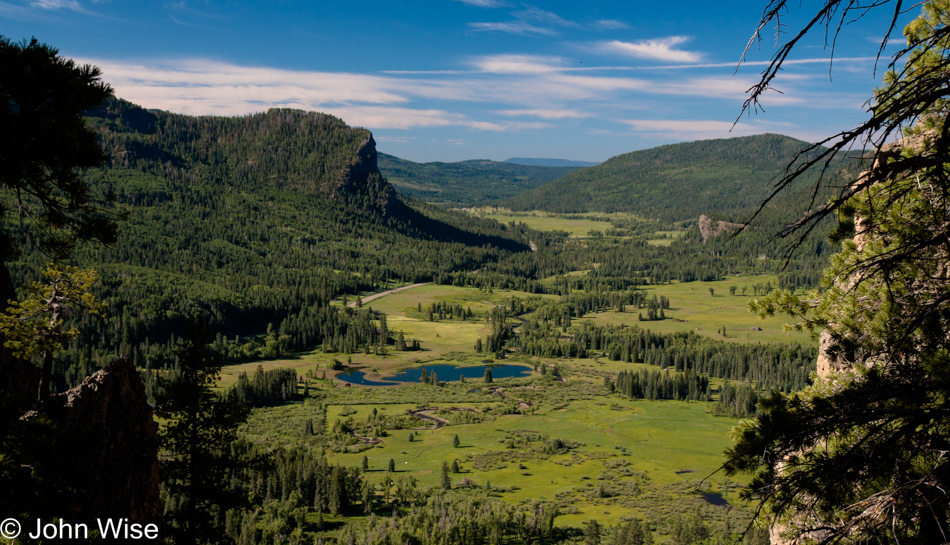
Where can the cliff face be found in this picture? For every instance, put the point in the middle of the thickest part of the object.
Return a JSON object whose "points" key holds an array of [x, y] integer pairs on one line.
{"points": [[362, 179], [111, 409], [307, 152], [98, 450]]}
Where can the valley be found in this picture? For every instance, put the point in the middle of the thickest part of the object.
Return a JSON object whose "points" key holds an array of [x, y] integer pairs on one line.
{"points": [[609, 351], [266, 278]]}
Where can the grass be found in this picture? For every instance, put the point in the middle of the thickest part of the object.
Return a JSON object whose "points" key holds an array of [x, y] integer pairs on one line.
{"points": [[302, 362], [656, 453], [673, 444], [575, 225], [694, 309]]}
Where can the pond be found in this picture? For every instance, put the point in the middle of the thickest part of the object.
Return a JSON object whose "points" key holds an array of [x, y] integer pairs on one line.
{"points": [[444, 372]]}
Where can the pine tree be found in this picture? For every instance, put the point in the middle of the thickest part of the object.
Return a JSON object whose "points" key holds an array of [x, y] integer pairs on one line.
{"points": [[861, 455], [592, 533], [446, 481], [196, 438]]}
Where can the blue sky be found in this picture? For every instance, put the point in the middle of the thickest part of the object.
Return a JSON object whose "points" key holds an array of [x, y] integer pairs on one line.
{"points": [[449, 80]]}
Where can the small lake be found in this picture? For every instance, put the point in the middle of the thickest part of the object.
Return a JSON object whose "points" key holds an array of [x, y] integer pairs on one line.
{"points": [[444, 372]]}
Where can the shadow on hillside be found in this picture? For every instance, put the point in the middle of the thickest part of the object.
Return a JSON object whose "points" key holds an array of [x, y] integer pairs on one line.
{"points": [[415, 224]]}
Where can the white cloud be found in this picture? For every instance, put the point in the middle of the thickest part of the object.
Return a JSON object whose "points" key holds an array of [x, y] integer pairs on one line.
{"points": [[528, 21], [544, 114], [662, 49], [531, 13], [609, 24], [518, 64], [381, 117], [192, 85], [513, 27], [485, 3], [72, 5]]}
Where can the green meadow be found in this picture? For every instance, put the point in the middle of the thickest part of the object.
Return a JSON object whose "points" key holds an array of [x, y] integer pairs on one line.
{"points": [[693, 308], [621, 459], [566, 441]]}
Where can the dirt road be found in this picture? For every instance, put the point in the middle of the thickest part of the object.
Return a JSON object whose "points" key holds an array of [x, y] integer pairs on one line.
{"points": [[375, 296]]}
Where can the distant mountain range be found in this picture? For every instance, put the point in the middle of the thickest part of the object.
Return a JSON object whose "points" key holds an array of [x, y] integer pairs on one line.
{"points": [[538, 162], [465, 183]]}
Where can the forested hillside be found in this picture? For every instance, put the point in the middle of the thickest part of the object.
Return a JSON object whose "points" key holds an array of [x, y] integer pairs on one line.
{"points": [[249, 220], [466, 183], [674, 182]]}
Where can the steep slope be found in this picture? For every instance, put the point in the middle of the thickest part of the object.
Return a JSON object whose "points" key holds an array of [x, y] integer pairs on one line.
{"points": [[465, 183], [249, 221], [308, 152], [671, 183]]}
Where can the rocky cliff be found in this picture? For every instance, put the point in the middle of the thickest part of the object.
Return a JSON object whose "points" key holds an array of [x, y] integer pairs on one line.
{"points": [[94, 449], [307, 152]]}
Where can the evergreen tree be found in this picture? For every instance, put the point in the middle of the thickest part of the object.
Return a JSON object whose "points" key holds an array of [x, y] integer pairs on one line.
{"points": [[861, 455], [445, 481], [196, 441], [592, 533]]}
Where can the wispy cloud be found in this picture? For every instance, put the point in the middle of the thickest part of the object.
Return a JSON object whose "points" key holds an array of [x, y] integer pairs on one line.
{"points": [[57, 4], [544, 114], [661, 49], [60, 5], [518, 64], [485, 3], [16, 11], [506, 93], [513, 27], [531, 13], [535, 21], [609, 24]]}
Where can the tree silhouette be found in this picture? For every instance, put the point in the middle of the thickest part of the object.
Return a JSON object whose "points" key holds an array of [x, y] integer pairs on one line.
{"points": [[195, 441]]}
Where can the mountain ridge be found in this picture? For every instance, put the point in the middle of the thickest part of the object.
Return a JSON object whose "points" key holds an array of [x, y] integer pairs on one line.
{"points": [[673, 182], [547, 162]]}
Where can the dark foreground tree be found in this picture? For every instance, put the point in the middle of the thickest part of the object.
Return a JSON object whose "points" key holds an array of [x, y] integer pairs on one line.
{"points": [[196, 443], [862, 456], [43, 145]]}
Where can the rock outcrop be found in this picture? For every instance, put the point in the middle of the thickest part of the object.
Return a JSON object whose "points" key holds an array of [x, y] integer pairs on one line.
{"points": [[100, 449], [361, 179], [709, 228], [111, 409]]}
